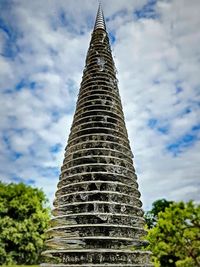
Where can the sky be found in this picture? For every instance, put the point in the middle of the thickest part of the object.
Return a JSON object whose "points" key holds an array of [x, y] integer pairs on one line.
{"points": [[155, 45]]}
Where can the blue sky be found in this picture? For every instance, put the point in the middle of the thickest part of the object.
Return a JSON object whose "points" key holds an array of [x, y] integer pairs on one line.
{"points": [[155, 45]]}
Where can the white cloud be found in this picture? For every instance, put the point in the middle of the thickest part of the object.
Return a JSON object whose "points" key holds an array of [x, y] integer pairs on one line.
{"points": [[159, 55]]}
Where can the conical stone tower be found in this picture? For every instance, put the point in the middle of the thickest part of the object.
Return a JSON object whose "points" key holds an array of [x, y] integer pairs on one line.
{"points": [[98, 220]]}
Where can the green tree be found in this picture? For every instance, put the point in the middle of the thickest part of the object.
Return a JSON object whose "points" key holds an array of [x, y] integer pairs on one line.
{"points": [[23, 220], [175, 240], [157, 206]]}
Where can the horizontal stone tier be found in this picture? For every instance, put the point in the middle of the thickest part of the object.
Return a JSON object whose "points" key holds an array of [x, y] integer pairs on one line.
{"points": [[67, 235], [92, 85], [98, 70], [92, 140], [100, 144], [109, 126], [95, 72], [93, 242], [97, 218], [94, 96], [88, 243], [91, 89], [105, 67], [101, 87], [99, 37], [117, 125], [106, 196], [103, 187], [100, 56], [97, 131], [100, 60], [97, 207], [86, 201], [104, 88], [98, 185], [80, 226], [108, 88], [96, 230], [93, 75], [88, 152], [93, 189], [98, 167], [99, 51], [92, 256], [113, 82], [102, 102], [97, 43], [99, 118], [99, 112], [111, 86], [66, 179], [96, 46], [99, 64], [91, 93], [104, 80], [100, 107], [98, 159], [104, 96]]}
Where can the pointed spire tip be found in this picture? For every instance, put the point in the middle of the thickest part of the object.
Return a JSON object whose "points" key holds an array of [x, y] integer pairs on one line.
{"points": [[100, 22]]}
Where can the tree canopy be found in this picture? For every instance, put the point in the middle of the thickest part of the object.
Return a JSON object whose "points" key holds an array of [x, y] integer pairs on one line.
{"points": [[175, 239], [157, 206], [23, 220]]}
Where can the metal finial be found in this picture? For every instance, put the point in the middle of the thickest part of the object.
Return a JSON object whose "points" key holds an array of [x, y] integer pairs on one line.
{"points": [[100, 22]]}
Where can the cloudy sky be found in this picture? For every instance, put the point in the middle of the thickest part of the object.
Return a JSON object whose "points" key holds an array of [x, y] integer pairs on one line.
{"points": [[43, 45]]}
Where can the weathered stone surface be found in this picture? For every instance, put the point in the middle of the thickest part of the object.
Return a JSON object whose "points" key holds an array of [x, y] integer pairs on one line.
{"points": [[98, 218]]}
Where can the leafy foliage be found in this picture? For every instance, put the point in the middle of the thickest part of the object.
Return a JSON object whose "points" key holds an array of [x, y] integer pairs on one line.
{"points": [[23, 220], [157, 206], [175, 240]]}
